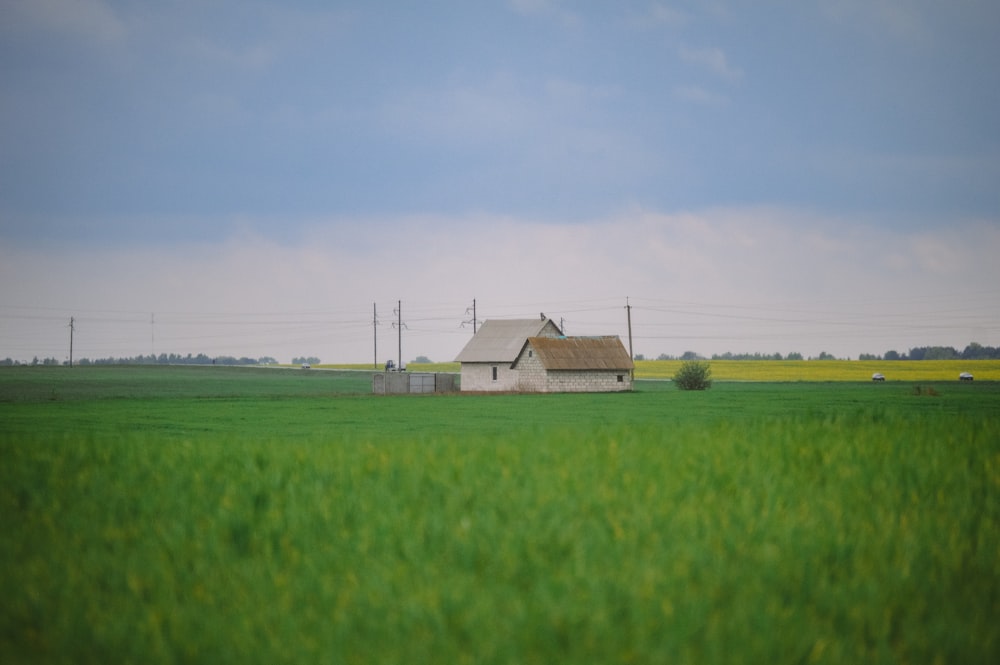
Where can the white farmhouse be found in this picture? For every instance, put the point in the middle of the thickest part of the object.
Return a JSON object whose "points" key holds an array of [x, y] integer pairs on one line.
{"points": [[532, 355]]}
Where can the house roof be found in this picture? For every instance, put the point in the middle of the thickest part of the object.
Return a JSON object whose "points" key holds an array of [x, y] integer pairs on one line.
{"points": [[581, 353], [501, 340]]}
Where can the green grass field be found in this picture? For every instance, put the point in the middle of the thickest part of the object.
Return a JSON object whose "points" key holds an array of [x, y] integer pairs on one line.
{"points": [[207, 515], [791, 370]]}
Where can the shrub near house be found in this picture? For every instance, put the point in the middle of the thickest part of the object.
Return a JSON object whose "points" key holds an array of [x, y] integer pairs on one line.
{"points": [[694, 375]]}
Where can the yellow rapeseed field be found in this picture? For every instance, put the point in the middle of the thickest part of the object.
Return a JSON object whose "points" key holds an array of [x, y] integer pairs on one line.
{"points": [[828, 370], [793, 370]]}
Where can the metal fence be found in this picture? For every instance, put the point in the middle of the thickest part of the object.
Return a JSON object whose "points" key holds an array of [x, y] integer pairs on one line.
{"points": [[398, 383]]}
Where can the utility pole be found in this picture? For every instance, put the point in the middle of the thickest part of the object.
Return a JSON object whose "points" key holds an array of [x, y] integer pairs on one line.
{"points": [[399, 328], [631, 355], [152, 335], [473, 310], [71, 329], [375, 332]]}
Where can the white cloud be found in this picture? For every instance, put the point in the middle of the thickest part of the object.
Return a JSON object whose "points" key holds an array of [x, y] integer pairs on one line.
{"points": [[89, 19], [661, 13], [271, 33], [715, 280], [551, 8], [712, 59], [898, 18], [936, 258], [657, 15]]}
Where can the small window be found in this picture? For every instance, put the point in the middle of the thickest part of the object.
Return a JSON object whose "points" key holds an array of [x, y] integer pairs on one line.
{"points": [[494, 373], [530, 352], [621, 378]]}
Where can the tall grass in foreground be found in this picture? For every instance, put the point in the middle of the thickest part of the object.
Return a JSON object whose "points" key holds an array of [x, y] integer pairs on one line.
{"points": [[852, 538]]}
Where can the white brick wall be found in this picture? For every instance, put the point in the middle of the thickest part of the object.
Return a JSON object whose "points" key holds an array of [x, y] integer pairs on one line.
{"points": [[530, 376], [588, 381], [479, 377]]}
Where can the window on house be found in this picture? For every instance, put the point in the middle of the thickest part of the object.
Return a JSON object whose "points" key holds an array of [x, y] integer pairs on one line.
{"points": [[530, 352], [494, 373], [621, 378]]}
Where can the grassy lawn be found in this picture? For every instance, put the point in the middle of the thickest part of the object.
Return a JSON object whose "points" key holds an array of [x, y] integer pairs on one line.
{"points": [[264, 515]]}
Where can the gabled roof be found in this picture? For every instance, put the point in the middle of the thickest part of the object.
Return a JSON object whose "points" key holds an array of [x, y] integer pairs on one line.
{"points": [[501, 340], [581, 353]]}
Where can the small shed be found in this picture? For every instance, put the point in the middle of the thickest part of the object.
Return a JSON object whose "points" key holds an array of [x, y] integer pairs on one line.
{"points": [[532, 355]]}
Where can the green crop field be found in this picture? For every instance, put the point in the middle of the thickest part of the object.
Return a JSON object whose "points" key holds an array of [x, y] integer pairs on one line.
{"points": [[791, 370], [244, 515]]}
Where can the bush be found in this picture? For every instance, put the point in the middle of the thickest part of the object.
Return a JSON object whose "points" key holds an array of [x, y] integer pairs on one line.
{"points": [[694, 375]]}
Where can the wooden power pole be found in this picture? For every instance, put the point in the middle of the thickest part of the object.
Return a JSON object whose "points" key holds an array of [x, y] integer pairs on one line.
{"points": [[473, 321], [631, 355], [399, 329]]}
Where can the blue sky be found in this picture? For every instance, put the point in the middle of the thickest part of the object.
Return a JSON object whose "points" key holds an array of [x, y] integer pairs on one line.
{"points": [[253, 176]]}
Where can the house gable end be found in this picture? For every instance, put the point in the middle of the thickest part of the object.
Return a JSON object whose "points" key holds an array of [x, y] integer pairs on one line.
{"points": [[502, 340]]}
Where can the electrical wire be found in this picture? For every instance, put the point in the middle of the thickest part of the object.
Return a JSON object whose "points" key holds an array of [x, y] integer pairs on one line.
{"points": [[42, 329]]}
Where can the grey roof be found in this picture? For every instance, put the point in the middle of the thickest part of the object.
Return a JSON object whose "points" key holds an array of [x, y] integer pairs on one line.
{"points": [[501, 340], [582, 353]]}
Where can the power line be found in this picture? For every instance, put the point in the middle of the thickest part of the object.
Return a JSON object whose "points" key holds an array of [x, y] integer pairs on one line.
{"points": [[27, 329]]}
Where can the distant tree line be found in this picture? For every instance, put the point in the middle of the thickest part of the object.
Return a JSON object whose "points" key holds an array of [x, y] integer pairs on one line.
{"points": [[764, 356], [7, 362], [973, 351], [162, 359], [728, 355]]}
